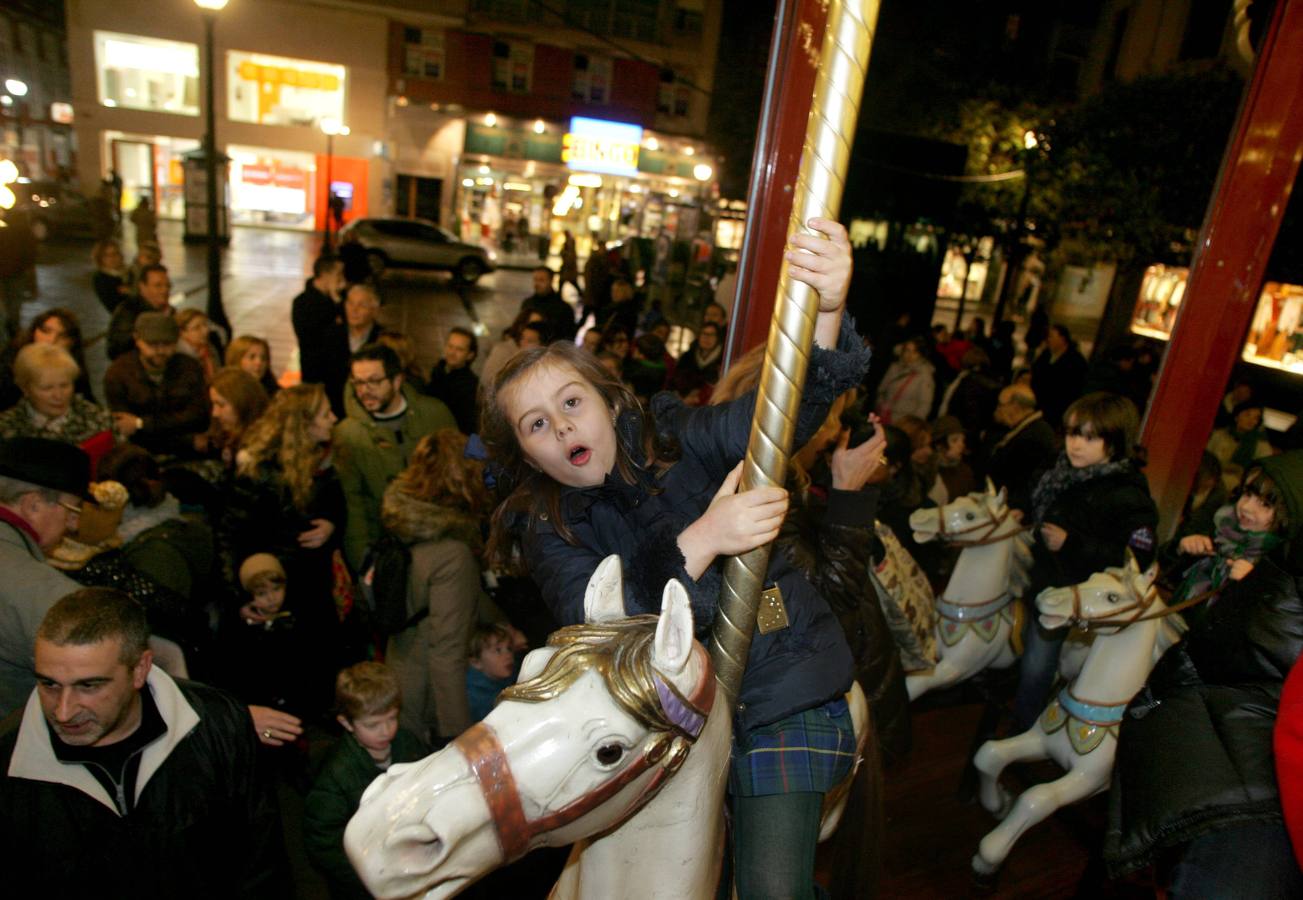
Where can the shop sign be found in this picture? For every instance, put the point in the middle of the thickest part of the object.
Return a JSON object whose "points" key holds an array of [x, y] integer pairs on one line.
{"points": [[596, 145], [512, 143]]}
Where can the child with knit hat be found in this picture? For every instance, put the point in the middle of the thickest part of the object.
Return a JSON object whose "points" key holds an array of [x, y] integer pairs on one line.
{"points": [[263, 578]]}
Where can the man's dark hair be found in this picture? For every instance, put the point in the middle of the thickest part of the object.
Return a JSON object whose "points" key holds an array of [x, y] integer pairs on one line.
{"points": [[544, 333], [548, 270], [147, 270], [466, 332], [650, 346], [324, 264], [96, 614], [381, 354]]}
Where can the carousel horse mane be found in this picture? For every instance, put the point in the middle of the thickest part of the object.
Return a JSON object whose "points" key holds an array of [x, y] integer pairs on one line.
{"points": [[619, 651]]}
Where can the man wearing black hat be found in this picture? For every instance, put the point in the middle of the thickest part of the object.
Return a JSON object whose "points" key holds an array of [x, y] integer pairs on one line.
{"points": [[158, 396], [42, 484]]}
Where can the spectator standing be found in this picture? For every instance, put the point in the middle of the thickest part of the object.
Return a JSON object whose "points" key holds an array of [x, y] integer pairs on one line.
{"points": [[1001, 349], [146, 222], [435, 507], [699, 365], [147, 254], [315, 314], [57, 326], [1058, 374], [558, 313], [453, 381], [42, 484], [238, 400], [199, 342], [622, 311], [50, 408], [386, 419], [1022, 449], [1241, 442], [109, 280], [972, 395], [286, 500], [141, 787], [157, 396], [569, 262], [153, 290], [506, 348], [908, 386], [359, 329], [597, 279], [252, 354], [369, 704]]}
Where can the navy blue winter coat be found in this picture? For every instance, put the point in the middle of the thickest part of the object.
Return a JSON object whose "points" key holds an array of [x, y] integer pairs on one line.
{"points": [[793, 669]]}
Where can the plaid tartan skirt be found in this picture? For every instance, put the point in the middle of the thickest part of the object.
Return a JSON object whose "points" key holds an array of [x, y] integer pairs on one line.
{"points": [[808, 751]]}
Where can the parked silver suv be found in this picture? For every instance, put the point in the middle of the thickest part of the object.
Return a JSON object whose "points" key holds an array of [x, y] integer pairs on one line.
{"points": [[418, 244]]}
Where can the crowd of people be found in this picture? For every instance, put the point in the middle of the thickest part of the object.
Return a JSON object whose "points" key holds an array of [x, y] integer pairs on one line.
{"points": [[211, 576]]}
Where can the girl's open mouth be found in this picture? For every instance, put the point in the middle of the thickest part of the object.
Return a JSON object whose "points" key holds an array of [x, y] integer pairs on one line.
{"points": [[580, 455]]}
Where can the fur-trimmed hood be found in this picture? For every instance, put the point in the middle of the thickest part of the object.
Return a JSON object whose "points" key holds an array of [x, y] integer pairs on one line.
{"points": [[415, 521]]}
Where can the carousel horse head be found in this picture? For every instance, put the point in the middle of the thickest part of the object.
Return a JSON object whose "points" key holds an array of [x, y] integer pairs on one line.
{"points": [[1112, 599], [602, 716], [982, 517]]}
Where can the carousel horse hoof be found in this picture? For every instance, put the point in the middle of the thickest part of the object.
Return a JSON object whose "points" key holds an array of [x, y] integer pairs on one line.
{"points": [[985, 877]]}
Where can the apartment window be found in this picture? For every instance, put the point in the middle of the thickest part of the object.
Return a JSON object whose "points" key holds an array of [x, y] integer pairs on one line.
{"points": [[674, 97], [592, 79], [423, 53], [687, 18], [513, 65], [638, 20], [147, 73]]}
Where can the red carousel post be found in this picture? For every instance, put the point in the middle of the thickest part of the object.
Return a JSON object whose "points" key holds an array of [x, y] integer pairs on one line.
{"points": [[789, 88], [1257, 175]]}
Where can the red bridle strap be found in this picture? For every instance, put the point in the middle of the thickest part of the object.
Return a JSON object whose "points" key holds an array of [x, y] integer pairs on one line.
{"points": [[480, 746]]}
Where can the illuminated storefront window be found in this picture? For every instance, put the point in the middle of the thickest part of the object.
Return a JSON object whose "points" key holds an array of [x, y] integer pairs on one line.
{"points": [[150, 165], [271, 187], [147, 73], [274, 90]]}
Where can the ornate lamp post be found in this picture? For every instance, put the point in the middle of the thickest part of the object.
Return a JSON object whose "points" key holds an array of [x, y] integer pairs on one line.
{"points": [[216, 312]]}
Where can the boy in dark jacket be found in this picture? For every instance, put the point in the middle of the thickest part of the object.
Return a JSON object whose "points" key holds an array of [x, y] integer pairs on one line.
{"points": [[368, 700]]}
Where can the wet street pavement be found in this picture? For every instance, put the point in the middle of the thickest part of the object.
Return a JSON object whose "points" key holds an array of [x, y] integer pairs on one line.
{"points": [[262, 271]]}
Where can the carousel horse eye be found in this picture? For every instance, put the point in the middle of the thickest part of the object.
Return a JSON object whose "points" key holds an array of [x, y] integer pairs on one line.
{"points": [[1113, 598], [609, 754], [970, 516]]}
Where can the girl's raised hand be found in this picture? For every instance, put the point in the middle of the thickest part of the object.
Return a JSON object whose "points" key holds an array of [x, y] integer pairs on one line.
{"points": [[738, 522], [1053, 536], [824, 263]]}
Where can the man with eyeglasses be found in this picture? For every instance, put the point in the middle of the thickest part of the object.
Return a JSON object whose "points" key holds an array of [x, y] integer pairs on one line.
{"points": [[42, 486], [385, 420]]}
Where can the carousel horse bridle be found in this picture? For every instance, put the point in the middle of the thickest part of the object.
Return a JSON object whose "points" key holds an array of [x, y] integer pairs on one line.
{"points": [[971, 612], [1140, 607], [988, 537], [666, 751]]}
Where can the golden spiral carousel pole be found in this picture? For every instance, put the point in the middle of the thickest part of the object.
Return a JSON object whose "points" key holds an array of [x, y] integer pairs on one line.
{"points": [[825, 157]]}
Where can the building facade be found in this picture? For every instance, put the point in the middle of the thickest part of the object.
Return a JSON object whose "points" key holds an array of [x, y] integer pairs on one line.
{"points": [[283, 69], [35, 93]]}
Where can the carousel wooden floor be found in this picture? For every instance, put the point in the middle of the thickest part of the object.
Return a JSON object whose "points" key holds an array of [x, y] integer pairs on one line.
{"points": [[931, 834]]}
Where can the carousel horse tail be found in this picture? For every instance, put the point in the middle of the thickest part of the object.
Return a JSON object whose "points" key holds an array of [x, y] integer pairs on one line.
{"points": [[852, 856]]}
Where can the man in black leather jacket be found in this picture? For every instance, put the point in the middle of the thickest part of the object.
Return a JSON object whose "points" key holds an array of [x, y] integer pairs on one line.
{"points": [[120, 781]]}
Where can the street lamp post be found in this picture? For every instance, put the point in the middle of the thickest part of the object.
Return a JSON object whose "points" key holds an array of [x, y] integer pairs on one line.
{"points": [[331, 126], [1017, 255], [216, 312]]}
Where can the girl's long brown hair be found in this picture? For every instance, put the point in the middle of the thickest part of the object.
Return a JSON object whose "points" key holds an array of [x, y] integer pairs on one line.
{"points": [[280, 438], [440, 472], [531, 492], [246, 395]]}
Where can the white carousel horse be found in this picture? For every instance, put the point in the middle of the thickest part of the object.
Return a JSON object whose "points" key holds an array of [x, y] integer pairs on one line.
{"points": [[1078, 729], [976, 611], [611, 742]]}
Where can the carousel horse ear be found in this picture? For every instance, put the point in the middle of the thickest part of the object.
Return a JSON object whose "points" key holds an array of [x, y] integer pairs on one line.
{"points": [[990, 487], [1130, 563], [1147, 577], [673, 642], [1002, 498], [604, 599]]}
